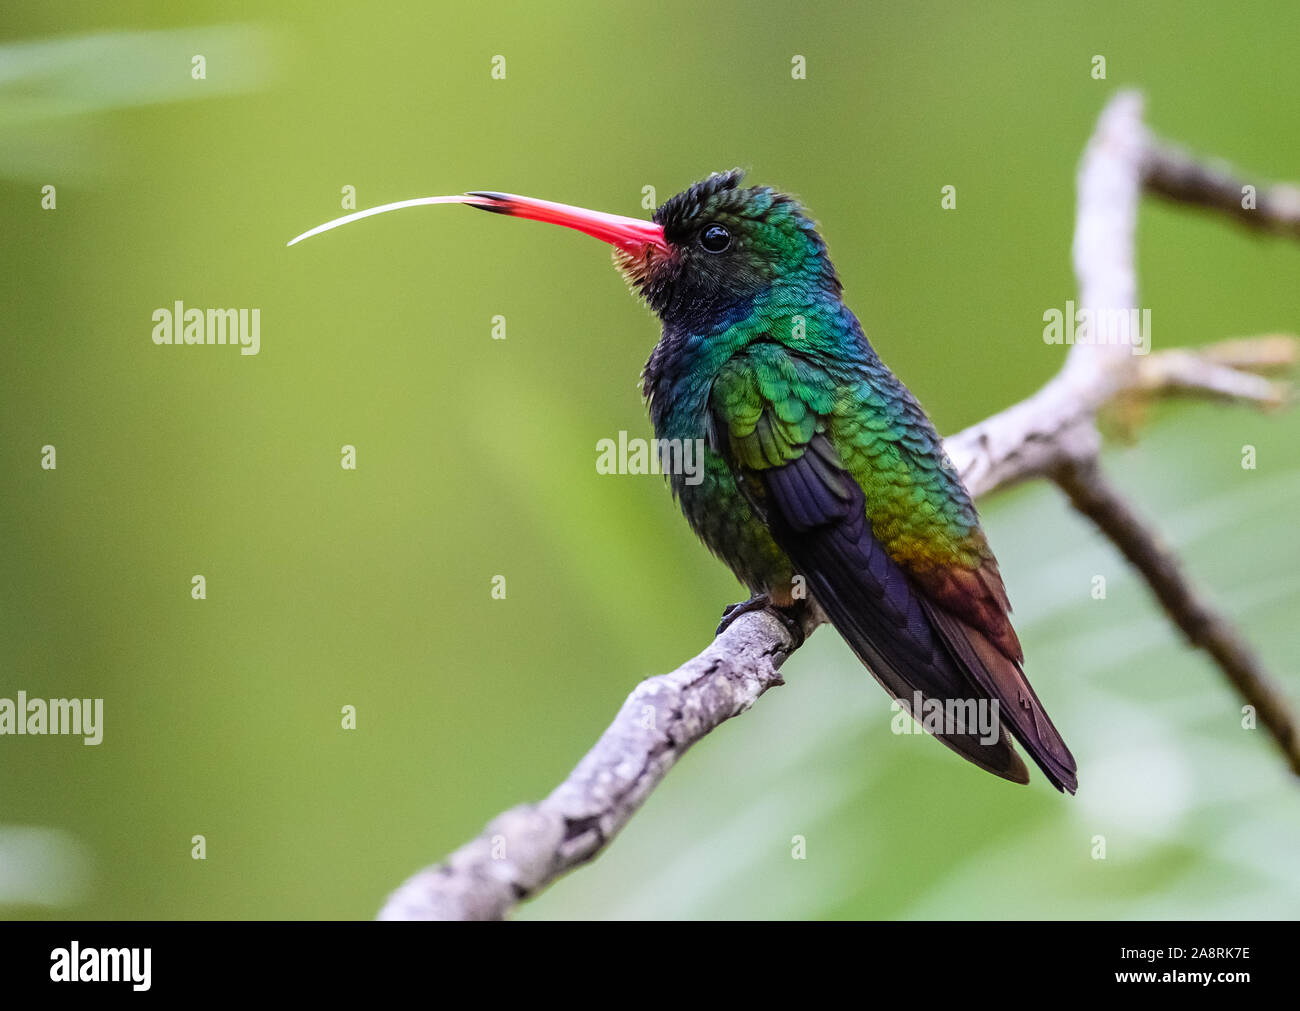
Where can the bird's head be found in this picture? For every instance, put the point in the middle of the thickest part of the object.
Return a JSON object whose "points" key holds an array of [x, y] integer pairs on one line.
{"points": [[724, 242], [713, 245]]}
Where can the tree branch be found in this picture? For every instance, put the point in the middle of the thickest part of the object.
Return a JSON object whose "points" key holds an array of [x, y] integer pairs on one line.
{"points": [[527, 847], [1091, 492], [1053, 435], [1170, 172]]}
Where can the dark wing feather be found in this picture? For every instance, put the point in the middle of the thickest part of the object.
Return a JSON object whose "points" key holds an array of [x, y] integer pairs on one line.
{"points": [[817, 514]]}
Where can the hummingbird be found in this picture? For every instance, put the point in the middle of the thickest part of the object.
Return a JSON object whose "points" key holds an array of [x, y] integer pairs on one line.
{"points": [[824, 481]]}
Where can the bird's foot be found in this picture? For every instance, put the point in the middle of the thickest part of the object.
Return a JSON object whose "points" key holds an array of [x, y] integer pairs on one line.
{"points": [[788, 617]]}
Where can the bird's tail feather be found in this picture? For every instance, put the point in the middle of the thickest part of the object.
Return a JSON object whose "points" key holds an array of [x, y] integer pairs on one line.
{"points": [[1018, 704]]}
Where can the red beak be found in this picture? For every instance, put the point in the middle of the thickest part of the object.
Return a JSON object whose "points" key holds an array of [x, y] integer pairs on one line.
{"points": [[632, 235]]}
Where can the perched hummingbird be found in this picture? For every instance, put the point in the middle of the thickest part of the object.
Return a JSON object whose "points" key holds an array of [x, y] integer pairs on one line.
{"points": [[819, 462]]}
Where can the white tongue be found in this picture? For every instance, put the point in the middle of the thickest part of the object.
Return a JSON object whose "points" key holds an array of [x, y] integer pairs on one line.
{"points": [[370, 211]]}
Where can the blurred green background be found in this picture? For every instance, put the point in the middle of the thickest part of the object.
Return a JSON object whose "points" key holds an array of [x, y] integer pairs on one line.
{"points": [[371, 588]]}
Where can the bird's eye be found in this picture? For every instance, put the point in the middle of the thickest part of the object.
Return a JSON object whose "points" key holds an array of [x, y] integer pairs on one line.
{"points": [[715, 238]]}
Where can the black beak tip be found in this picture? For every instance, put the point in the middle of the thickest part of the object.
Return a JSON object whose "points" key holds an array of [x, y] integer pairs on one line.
{"points": [[500, 202]]}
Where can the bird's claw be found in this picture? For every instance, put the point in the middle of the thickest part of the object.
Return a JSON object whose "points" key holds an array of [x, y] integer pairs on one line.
{"points": [[762, 602]]}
